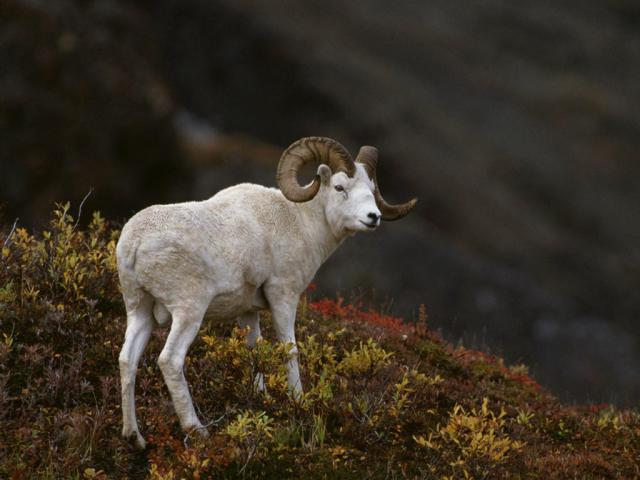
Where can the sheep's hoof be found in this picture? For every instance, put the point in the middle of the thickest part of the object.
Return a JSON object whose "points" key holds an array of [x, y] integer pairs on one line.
{"points": [[134, 438], [199, 431]]}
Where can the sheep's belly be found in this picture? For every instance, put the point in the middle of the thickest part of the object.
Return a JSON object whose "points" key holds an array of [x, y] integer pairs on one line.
{"points": [[228, 305]]}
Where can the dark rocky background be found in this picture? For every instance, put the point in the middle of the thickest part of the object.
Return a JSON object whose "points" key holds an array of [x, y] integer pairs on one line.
{"points": [[516, 123]]}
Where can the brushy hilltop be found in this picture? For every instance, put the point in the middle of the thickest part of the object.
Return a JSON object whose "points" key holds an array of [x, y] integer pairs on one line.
{"points": [[383, 399]]}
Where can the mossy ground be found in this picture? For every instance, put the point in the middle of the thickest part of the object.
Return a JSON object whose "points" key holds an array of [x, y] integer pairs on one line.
{"points": [[383, 399]]}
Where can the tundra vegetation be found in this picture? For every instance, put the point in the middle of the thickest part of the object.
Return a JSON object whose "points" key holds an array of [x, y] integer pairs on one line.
{"points": [[384, 398]]}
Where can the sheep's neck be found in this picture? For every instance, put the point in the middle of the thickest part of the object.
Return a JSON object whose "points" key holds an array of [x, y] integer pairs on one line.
{"points": [[320, 238]]}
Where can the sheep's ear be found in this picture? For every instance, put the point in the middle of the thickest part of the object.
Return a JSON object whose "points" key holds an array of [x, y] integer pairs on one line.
{"points": [[324, 172]]}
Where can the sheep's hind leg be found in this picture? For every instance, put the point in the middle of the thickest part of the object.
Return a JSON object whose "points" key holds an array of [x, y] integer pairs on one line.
{"points": [[252, 320], [139, 327], [184, 329]]}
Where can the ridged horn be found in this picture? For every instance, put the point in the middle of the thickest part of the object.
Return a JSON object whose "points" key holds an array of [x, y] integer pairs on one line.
{"points": [[368, 157], [299, 153]]}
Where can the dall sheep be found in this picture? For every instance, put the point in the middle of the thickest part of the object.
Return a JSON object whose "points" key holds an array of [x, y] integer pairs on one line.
{"points": [[245, 249]]}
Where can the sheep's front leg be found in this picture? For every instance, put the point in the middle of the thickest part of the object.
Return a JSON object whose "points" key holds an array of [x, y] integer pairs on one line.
{"points": [[183, 331], [283, 307], [252, 320]]}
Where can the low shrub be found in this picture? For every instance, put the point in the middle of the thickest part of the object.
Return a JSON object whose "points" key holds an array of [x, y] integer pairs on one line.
{"points": [[383, 398]]}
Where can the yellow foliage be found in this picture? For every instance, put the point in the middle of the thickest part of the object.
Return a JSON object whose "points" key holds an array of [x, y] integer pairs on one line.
{"points": [[524, 417], [156, 474], [478, 434], [66, 259], [366, 358], [609, 418], [250, 424]]}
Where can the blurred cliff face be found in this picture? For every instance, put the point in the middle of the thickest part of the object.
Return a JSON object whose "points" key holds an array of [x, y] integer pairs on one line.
{"points": [[517, 125]]}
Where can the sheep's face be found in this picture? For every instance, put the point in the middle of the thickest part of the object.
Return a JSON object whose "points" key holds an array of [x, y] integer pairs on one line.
{"points": [[350, 205]]}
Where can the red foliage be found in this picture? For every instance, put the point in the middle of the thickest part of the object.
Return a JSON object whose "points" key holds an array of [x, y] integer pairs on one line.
{"points": [[474, 356], [525, 380], [597, 407], [337, 309]]}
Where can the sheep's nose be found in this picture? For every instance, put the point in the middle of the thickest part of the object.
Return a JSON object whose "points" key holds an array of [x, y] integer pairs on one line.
{"points": [[373, 216]]}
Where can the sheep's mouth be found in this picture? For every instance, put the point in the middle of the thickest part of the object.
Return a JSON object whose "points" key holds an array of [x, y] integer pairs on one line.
{"points": [[369, 225]]}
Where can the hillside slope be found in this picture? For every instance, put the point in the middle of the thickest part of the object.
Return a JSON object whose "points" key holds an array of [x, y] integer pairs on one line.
{"points": [[516, 124], [383, 399]]}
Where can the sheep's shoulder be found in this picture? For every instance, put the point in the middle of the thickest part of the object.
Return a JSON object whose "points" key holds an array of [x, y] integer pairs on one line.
{"points": [[267, 206]]}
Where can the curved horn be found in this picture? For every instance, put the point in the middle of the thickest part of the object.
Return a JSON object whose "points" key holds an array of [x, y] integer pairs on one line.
{"points": [[319, 149], [368, 156]]}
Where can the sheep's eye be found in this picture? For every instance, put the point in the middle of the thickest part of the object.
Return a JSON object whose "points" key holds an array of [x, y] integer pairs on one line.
{"points": [[339, 188]]}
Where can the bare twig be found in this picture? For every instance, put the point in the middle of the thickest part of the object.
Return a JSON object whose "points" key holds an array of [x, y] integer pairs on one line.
{"points": [[80, 208], [252, 452], [188, 435], [6, 240]]}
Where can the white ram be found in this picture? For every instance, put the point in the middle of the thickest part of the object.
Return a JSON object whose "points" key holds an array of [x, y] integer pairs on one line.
{"points": [[246, 248]]}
